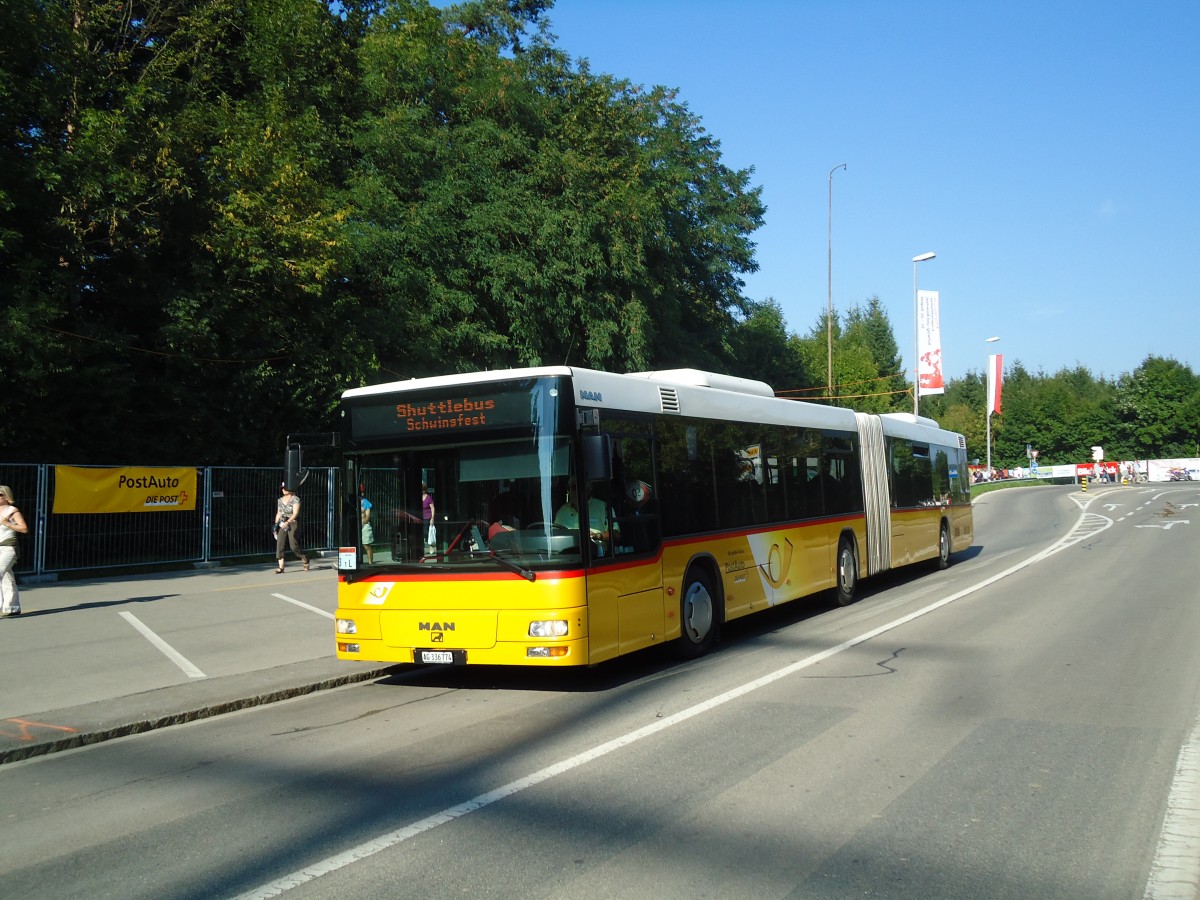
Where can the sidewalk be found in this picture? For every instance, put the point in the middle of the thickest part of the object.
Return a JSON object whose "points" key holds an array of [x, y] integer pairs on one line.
{"points": [[92, 660]]}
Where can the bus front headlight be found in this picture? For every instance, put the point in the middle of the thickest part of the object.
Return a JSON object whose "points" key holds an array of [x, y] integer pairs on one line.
{"points": [[548, 628], [346, 626]]}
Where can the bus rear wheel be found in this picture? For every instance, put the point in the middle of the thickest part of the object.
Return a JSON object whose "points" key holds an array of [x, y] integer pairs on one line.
{"points": [[698, 618], [847, 573]]}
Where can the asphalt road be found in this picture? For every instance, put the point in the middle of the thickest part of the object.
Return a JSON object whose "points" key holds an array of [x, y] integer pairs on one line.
{"points": [[1010, 727]]}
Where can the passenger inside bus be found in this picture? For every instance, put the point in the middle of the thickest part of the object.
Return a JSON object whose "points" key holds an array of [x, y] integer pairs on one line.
{"points": [[506, 510], [598, 514]]}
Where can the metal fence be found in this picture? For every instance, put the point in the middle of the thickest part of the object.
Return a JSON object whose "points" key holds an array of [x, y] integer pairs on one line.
{"points": [[233, 516]]}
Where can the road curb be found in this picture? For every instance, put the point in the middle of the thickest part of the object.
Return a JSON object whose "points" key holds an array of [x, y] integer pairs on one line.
{"points": [[37, 734]]}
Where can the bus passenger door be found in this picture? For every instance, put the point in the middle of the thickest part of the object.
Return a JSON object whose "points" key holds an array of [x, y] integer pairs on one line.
{"points": [[636, 539]]}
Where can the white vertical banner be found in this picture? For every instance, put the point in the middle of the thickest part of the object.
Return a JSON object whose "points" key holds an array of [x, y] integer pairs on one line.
{"points": [[929, 344]]}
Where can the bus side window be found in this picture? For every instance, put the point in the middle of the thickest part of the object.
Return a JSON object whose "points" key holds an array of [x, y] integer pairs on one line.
{"points": [[837, 477], [636, 507]]}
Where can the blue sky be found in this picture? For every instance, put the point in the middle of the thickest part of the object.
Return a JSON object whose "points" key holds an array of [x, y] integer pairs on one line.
{"points": [[1048, 152]]}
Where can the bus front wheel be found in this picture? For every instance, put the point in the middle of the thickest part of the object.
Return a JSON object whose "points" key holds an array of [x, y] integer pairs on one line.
{"points": [[697, 615], [847, 572], [943, 561]]}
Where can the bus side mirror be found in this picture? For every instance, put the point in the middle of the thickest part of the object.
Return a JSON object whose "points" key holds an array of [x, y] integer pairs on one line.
{"points": [[293, 468], [597, 457]]}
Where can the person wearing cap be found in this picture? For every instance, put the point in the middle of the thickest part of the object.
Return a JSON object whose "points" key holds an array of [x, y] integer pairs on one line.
{"points": [[287, 524], [12, 523]]}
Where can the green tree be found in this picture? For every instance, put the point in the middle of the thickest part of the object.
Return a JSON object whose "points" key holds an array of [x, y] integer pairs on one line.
{"points": [[519, 210], [1159, 407], [1153, 412], [188, 149], [812, 351], [35, 44], [1062, 416], [761, 347], [865, 360], [879, 379]]}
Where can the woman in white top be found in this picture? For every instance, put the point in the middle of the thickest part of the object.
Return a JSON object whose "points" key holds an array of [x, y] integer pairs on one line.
{"points": [[12, 523]]}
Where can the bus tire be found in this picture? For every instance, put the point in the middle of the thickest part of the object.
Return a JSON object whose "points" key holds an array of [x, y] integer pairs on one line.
{"points": [[943, 558], [698, 618], [847, 572]]}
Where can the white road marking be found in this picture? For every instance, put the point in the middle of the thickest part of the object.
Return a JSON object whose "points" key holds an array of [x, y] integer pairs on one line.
{"points": [[415, 829], [304, 605], [167, 650], [1175, 872]]}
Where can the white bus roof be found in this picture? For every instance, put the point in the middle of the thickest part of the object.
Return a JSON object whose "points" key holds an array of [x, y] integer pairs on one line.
{"points": [[685, 392], [436, 381], [916, 428]]}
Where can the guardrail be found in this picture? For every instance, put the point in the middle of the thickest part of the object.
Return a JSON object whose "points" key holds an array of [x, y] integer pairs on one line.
{"points": [[232, 520]]}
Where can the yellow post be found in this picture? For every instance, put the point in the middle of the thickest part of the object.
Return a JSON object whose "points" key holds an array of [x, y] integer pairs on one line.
{"points": [[1084, 484]]}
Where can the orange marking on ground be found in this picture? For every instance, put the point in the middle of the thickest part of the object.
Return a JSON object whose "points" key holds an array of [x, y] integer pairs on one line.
{"points": [[23, 733]]}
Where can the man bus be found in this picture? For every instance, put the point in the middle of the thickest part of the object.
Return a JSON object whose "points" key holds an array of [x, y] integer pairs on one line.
{"points": [[707, 498]]}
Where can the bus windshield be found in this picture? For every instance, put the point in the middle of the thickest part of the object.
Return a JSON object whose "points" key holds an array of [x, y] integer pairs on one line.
{"points": [[463, 476], [458, 505]]}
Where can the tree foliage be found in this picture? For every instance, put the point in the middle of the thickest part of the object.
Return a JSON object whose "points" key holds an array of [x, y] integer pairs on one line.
{"points": [[867, 368], [1159, 407], [1151, 413], [215, 217]]}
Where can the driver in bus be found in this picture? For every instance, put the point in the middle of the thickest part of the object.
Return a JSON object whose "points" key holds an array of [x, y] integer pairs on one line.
{"points": [[598, 517]]}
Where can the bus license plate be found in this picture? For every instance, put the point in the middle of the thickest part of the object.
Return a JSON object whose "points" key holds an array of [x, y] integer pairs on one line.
{"points": [[441, 657]]}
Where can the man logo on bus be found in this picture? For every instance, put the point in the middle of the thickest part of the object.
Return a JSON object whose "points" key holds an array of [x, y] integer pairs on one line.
{"points": [[594, 396]]}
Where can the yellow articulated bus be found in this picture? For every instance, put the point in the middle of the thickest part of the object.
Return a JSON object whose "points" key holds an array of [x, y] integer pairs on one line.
{"points": [[560, 516]]}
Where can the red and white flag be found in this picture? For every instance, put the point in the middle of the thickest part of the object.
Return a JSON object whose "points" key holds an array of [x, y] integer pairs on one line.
{"points": [[995, 382]]}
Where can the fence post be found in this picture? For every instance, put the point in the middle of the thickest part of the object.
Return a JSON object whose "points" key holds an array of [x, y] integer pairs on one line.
{"points": [[206, 527], [39, 539], [331, 509]]}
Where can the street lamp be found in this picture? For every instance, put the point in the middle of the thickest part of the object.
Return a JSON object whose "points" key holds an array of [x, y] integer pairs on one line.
{"points": [[988, 403], [829, 314], [917, 334]]}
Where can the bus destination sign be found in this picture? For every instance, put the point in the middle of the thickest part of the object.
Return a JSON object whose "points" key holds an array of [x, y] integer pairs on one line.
{"points": [[439, 415], [443, 416]]}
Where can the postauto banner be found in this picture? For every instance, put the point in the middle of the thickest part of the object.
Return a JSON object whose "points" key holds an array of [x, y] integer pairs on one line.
{"points": [[79, 489]]}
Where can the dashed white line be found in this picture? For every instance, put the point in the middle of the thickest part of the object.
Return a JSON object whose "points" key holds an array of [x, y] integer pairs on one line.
{"points": [[304, 605], [167, 650]]}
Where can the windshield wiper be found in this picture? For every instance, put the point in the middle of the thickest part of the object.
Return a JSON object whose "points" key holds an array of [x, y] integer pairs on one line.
{"points": [[527, 574], [517, 568]]}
